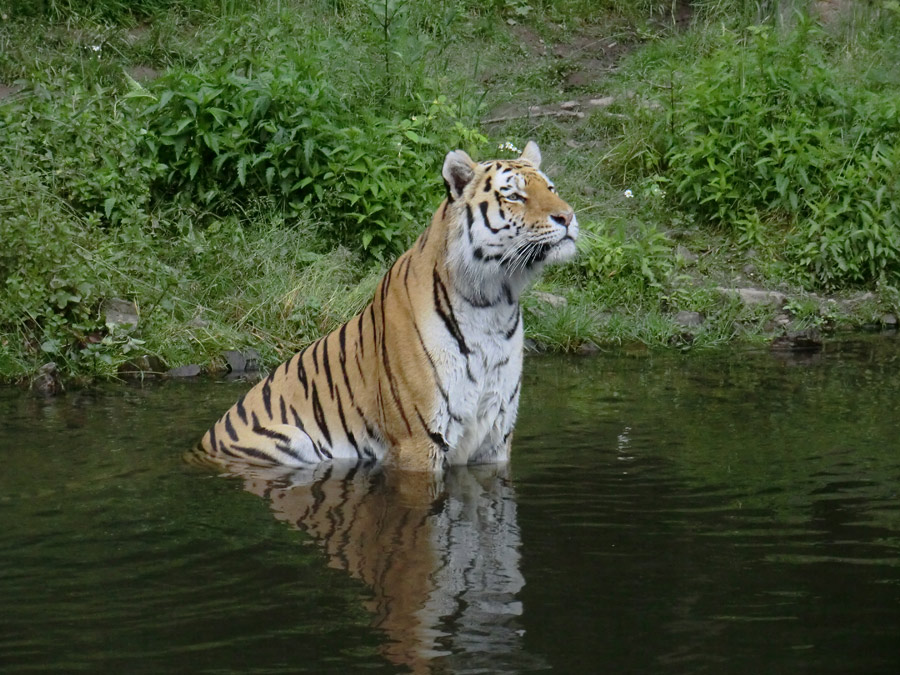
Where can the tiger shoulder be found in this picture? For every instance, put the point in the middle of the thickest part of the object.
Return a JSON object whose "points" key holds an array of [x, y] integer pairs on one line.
{"points": [[429, 373]]}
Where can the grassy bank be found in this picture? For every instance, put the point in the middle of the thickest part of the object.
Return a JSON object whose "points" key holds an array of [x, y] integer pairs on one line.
{"points": [[242, 172]]}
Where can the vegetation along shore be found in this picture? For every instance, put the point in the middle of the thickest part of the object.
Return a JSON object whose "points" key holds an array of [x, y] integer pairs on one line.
{"points": [[202, 185]]}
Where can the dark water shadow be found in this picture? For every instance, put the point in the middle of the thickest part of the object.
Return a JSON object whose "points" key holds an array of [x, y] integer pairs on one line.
{"points": [[440, 555]]}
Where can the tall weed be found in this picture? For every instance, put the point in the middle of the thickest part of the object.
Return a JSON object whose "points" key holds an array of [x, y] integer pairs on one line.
{"points": [[768, 139]]}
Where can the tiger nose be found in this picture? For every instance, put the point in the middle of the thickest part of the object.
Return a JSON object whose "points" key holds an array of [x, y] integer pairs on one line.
{"points": [[564, 219]]}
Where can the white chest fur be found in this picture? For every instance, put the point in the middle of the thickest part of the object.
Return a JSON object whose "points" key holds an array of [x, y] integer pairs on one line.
{"points": [[480, 382]]}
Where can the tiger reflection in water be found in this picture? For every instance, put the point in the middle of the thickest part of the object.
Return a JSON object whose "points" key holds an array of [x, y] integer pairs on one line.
{"points": [[440, 553]]}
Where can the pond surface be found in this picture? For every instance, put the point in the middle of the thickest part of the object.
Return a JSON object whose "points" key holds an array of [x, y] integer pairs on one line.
{"points": [[736, 512]]}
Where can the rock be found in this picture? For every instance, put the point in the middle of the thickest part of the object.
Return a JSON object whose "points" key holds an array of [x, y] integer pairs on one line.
{"points": [[750, 270], [889, 320], [686, 255], [755, 296], [192, 370], [550, 299], [118, 311], [809, 340], [603, 102], [686, 318], [242, 361], [587, 349], [779, 322], [142, 366], [568, 105], [47, 382]]}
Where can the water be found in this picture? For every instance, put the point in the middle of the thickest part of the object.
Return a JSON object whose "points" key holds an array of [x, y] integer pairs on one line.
{"points": [[724, 513]]}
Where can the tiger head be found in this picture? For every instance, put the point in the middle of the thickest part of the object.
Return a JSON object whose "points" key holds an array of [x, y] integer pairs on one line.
{"points": [[508, 217]]}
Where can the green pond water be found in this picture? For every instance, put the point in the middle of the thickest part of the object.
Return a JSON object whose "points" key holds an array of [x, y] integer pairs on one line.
{"points": [[734, 512]]}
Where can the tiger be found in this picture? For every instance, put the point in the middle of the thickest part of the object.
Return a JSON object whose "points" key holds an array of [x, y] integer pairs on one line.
{"points": [[428, 375], [438, 553]]}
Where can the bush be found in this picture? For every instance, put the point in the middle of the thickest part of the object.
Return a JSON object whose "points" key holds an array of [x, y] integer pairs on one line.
{"points": [[765, 139], [232, 134]]}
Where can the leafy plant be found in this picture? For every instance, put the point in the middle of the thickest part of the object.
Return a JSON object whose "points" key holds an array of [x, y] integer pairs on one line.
{"points": [[765, 135]]}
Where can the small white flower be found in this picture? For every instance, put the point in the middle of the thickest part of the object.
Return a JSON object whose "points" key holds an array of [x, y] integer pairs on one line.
{"points": [[96, 48], [509, 146], [629, 194]]}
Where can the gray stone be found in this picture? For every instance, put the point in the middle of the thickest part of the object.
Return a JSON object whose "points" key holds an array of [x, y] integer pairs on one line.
{"points": [[142, 366], [47, 382], [602, 102], [242, 361], [192, 370], [550, 299], [121, 312], [587, 349], [889, 320], [755, 296], [568, 105], [686, 318], [809, 340], [687, 255]]}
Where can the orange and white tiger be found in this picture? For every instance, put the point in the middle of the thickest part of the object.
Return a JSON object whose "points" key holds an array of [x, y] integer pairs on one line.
{"points": [[429, 373]]}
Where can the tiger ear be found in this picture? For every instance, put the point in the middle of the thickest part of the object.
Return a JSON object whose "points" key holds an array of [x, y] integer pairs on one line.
{"points": [[458, 171], [532, 154]]}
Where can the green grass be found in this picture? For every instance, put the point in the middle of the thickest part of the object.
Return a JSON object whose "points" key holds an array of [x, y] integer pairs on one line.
{"points": [[244, 170]]}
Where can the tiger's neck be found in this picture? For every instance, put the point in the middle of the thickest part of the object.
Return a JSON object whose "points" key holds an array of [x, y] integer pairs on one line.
{"points": [[481, 285]]}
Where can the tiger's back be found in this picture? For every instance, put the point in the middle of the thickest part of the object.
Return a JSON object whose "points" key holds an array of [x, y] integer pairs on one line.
{"points": [[428, 374]]}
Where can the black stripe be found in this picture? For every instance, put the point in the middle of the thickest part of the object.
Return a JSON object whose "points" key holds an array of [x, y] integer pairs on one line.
{"points": [[212, 439], [437, 379], [512, 331], [487, 184], [478, 254], [347, 432], [284, 419], [241, 410], [470, 220], [342, 342], [255, 420], [327, 364], [319, 414], [271, 433], [360, 326], [436, 437], [369, 429], [229, 427], [516, 390], [297, 421], [484, 209], [267, 396], [342, 362], [315, 354], [250, 452], [360, 369], [301, 373], [445, 311], [406, 273], [386, 282], [372, 316]]}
